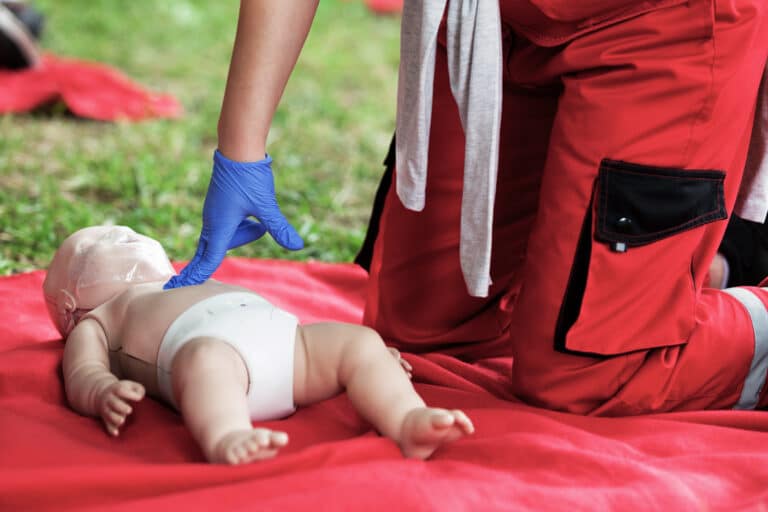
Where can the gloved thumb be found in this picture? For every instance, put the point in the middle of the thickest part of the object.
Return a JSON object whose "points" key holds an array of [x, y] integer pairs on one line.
{"points": [[247, 232], [283, 232]]}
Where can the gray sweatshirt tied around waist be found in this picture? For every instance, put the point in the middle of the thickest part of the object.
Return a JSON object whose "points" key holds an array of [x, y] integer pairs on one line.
{"points": [[474, 66]]}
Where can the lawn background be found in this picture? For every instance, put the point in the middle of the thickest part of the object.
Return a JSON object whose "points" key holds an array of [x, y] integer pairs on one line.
{"points": [[329, 136]]}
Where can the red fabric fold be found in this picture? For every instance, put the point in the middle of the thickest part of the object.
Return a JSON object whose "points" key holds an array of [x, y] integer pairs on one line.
{"points": [[385, 6], [88, 89], [521, 458]]}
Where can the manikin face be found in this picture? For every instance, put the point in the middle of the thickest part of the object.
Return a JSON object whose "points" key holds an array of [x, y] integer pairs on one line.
{"points": [[94, 264]]}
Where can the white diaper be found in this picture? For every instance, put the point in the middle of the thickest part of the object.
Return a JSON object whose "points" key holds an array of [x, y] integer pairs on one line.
{"points": [[263, 335]]}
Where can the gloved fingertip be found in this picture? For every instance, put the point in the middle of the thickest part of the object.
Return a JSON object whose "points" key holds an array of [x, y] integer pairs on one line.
{"points": [[189, 276], [296, 243], [289, 239], [177, 281]]}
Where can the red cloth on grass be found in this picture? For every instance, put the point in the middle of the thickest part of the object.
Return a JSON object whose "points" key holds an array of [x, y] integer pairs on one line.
{"points": [[385, 6], [88, 89], [521, 458]]}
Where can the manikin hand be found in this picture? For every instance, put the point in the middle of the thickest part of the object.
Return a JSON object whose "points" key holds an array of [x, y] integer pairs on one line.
{"points": [[114, 403], [236, 191], [399, 358]]}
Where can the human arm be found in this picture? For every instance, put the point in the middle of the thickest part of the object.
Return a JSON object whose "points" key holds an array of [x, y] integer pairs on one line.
{"points": [[270, 35], [91, 388]]}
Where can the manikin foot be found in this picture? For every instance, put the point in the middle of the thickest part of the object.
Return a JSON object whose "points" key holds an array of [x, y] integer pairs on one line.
{"points": [[425, 429], [243, 446]]}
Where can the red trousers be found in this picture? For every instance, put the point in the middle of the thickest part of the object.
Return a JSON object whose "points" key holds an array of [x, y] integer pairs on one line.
{"points": [[624, 134]]}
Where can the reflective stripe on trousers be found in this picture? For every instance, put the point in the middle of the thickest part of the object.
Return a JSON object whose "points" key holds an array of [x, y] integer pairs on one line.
{"points": [[755, 380]]}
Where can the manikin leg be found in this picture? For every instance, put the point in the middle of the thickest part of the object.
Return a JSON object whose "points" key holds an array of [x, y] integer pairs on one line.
{"points": [[333, 357], [210, 383]]}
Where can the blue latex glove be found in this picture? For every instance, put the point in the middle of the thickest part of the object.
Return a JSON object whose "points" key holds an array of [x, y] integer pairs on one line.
{"points": [[237, 190]]}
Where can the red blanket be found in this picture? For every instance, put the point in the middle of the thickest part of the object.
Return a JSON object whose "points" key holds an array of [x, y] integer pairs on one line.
{"points": [[87, 89], [521, 458]]}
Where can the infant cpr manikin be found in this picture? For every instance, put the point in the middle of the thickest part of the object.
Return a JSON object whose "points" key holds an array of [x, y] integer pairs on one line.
{"points": [[220, 354], [97, 264]]}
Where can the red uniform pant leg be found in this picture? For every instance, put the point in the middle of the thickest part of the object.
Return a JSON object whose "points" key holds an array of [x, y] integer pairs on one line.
{"points": [[596, 330], [417, 298], [679, 97]]}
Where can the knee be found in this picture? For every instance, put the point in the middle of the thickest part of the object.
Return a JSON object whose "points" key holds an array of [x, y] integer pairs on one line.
{"points": [[369, 343], [366, 346], [205, 356], [572, 384]]}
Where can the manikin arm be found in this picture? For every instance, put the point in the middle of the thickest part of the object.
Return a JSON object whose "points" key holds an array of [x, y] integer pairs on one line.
{"points": [[270, 34], [91, 388]]}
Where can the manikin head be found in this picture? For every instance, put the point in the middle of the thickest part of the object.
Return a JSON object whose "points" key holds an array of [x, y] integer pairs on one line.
{"points": [[95, 264]]}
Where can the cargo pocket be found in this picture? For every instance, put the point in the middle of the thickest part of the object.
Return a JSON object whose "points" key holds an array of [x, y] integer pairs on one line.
{"points": [[631, 285]]}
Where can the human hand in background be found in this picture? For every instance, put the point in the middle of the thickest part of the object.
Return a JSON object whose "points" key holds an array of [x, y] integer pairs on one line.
{"points": [[718, 272], [237, 190], [407, 368]]}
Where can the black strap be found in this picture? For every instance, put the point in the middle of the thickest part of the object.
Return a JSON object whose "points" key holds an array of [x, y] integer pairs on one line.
{"points": [[365, 254]]}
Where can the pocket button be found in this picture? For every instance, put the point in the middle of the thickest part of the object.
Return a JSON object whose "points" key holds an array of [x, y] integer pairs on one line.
{"points": [[624, 224]]}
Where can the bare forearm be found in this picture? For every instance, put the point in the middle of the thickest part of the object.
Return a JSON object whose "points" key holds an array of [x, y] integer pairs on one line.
{"points": [[270, 35]]}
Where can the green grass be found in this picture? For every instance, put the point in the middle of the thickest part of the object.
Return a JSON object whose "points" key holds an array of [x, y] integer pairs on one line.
{"points": [[329, 136]]}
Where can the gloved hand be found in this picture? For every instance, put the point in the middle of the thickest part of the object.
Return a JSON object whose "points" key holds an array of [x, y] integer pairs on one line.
{"points": [[237, 190]]}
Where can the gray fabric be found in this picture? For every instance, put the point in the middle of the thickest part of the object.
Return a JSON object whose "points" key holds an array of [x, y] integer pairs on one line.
{"points": [[752, 202], [755, 380], [474, 66], [475, 71]]}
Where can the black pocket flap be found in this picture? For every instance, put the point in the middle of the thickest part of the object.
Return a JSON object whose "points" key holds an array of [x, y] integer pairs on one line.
{"points": [[639, 204]]}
